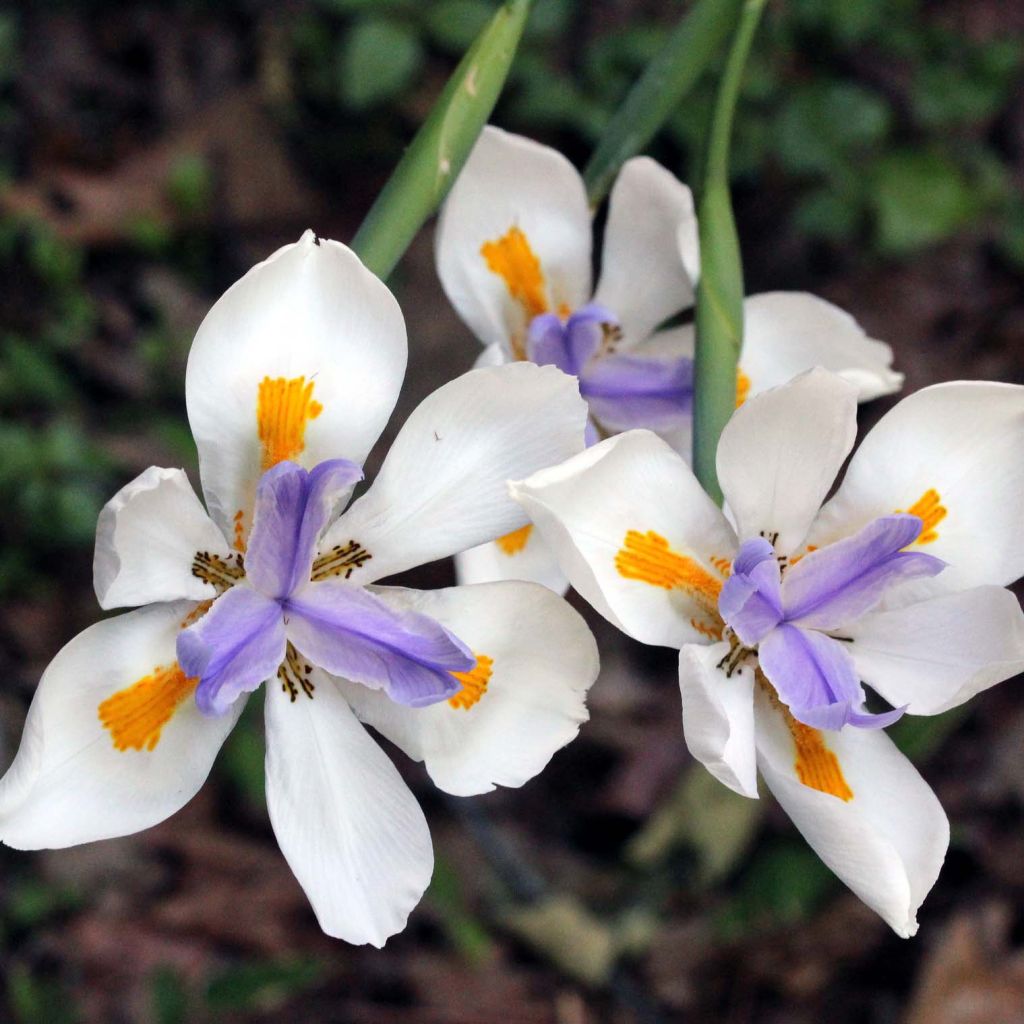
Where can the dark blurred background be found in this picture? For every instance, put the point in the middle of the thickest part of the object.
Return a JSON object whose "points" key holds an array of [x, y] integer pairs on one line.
{"points": [[149, 154]]}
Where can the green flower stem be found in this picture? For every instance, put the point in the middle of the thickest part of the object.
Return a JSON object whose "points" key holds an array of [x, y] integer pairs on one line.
{"points": [[433, 160], [719, 316], [691, 46]]}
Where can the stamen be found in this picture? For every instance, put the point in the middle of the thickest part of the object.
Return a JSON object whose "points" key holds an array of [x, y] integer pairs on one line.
{"points": [[929, 509], [239, 529], [341, 561], [647, 557], [136, 715], [283, 408], [514, 542], [295, 674], [512, 259], [474, 683], [221, 573]]}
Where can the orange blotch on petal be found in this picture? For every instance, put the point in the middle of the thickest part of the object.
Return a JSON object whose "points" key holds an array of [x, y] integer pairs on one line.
{"points": [[474, 683], [136, 715], [742, 387], [929, 509], [816, 766], [514, 542], [283, 408], [512, 259], [648, 558]]}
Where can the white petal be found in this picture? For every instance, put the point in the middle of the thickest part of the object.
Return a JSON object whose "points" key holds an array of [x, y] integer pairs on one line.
{"points": [[543, 660], [147, 537], [351, 831], [643, 276], [935, 654], [442, 487], [308, 350], [492, 355], [786, 333], [718, 716], [951, 453], [887, 841], [514, 184], [69, 782], [521, 555], [637, 537], [780, 453]]}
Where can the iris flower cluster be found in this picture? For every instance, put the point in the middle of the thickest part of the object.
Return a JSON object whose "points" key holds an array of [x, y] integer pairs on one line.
{"points": [[806, 620]]}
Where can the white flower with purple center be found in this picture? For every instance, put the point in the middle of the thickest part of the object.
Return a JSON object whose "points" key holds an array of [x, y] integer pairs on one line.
{"points": [[291, 378], [784, 610], [514, 245]]}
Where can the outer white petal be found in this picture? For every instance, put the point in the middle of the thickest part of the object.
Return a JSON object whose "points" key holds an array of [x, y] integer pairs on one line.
{"points": [[935, 654], [352, 833], [146, 538], [632, 483], [786, 333], [964, 442], [643, 275], [544, 661], [310, 311], [718, 716], [534, 562], [888, 842], [442, 488], [780, 453], [512, 182], [69, 784]]}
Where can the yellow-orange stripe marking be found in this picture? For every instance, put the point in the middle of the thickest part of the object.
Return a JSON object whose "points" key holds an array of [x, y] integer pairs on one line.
{"points": [[283, 408], [816, 765], [929, 509], [648, 558], [742, 387], [136, 715], [474, 683], [512, 259], [514, 542]]}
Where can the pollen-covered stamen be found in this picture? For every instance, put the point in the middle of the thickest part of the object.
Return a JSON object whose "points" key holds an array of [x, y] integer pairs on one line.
{"points": [[220, 573], [295, 674], [737, 655], [341, 560]]}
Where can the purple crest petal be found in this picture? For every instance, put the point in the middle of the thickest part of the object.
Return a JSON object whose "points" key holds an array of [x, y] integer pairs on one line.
{"points": [[635, 391], [546, 343], [233, 648], [813, 675], [834, 586], [351, 633], [291, 510], [584, 331], [751, 598]]}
